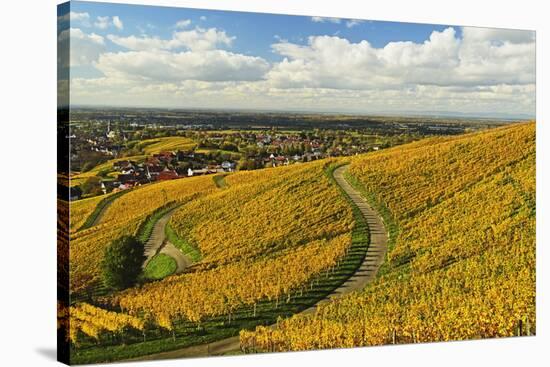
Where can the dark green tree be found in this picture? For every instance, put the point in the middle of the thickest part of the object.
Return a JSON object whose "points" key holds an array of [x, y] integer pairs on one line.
{"points": [[122, 262]]}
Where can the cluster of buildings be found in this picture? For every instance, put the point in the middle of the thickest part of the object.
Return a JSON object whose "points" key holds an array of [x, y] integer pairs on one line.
{"points": [[281, 141], [282, 160], [160, 167]]}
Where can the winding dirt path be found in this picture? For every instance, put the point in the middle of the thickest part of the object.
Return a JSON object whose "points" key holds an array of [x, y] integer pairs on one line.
{"points": [[182, 261], [366, 272], [157, 243]]}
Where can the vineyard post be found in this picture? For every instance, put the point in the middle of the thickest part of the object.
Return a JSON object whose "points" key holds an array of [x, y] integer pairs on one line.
{"points": [[528, 326], [393, 336], [520, 325]]}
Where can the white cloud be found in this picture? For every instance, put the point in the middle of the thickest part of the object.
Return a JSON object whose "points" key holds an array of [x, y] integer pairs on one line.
{"points": [[139, 43], [479, 72], [75, 17], [184, 23], [325, 19], [162, 66], [102, 22], [84, 48], [203, 18], [473, 34], [443, 59], [195, 39], [353, 22], [106, 22], [203, 39], [117, 22]]}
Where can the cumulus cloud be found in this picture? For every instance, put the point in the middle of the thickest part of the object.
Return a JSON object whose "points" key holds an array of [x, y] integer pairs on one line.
{"points": [[204, 65], [444, 59], [475, 70], [195, 39]]}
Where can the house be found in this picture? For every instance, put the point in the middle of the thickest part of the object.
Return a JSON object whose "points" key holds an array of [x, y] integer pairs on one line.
{"points": [[125, 186], [167, 174], [228, 166]]}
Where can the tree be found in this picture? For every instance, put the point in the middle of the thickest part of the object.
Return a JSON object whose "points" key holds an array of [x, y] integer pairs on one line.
{"points": [[122, 262], [92, 186]]}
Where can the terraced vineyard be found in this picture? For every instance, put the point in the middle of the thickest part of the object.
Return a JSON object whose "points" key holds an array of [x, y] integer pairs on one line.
{"points": [[462, 261], [124, 217], [286, 243], [279, 231]]}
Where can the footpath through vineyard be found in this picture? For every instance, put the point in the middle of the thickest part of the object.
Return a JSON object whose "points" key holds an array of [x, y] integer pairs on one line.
{"points": [[158, 244], [365, 273]]}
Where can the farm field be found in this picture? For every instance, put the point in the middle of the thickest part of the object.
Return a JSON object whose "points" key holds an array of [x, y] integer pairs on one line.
{"points": [[461, 264]]}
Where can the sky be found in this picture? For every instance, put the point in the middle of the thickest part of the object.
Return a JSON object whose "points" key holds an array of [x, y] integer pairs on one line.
{"points": [[148, 56]]}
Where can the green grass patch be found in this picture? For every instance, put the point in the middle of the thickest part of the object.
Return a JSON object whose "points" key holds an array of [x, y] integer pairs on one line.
{"points": [[220, 182], [185, 247], [160, 266]]}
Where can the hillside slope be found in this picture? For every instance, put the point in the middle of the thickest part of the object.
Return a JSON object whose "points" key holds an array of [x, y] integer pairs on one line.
{"points": [[462, 262], [264, 237]]}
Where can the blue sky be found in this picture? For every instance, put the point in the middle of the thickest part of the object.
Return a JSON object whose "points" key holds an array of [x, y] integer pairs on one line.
{"points": [[148, 55]]}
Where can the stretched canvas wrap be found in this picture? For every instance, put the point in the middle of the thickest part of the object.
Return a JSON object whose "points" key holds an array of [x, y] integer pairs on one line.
{"points": [[233, 183]]}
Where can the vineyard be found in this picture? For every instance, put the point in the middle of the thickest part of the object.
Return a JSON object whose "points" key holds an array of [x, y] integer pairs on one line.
{"points": [[267, 244], [81, 210], [279, 231], [169, 144], [462, 262], [286, 243], [124, 217]]}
